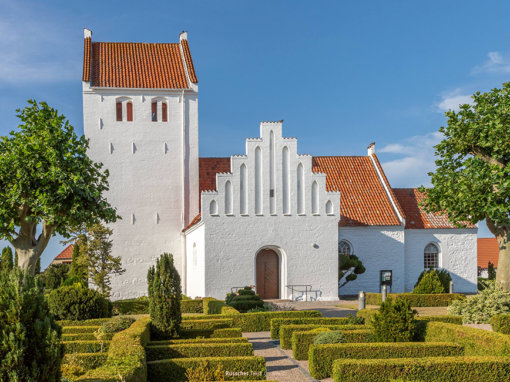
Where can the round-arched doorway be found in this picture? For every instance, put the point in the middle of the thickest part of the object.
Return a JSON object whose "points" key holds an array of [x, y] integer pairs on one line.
{"points": [[268, 274]]}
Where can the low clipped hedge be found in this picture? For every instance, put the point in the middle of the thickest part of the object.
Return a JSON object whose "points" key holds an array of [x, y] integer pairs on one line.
{"points": [[434, 369], [192, 306], [82, 361], [207, 324], [256, 322], [367, 314], [159, 352], [126, 356], [276, 323], [501, 323], [475, 341], [417, 300], [249, 368], [301, 341], [138, 305], [200, 341], [321, 357], [216, 333], [79, 329], [85, 346], [85, 337], [286, 331], [91, 322]]}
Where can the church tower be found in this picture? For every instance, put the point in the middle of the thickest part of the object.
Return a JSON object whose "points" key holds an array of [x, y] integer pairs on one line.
{"points": [[140, 111]]}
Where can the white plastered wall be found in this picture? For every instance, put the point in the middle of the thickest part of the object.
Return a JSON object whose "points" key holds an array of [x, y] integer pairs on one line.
{"points": [[195, 261]]}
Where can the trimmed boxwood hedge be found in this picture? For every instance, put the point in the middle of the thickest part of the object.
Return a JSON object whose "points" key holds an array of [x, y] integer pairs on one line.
{"points": [[85, 346], [301, 341], [256, 322], [138, 305], [277, 322], [200, 341], [126, 356], [367, 314], [501, 323], [79, 329], [321, 357], [85, 337], [192, 306], [253, 368], [417, 300], [475, 341], [159, 352], [286, 331], [207, 324], [91, 322], [430, 369], [216, 333], [87, 361]]}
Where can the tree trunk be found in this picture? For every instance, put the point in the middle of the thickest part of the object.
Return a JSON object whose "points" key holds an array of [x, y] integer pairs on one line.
{"points": [[503, 272]]}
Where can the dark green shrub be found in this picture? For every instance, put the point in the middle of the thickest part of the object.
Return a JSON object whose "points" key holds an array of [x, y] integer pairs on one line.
{"points": [[501, 323], [330, 337], [165, 297], [55, 275], [444, 278], [244, 300], [6, 261], [394, 321], [192, 306], [116, 324], [429, 284], [159, 352], [30, 348], [451, 369], [491, 271], [138, 305], [76, 302], [286, 331], [276, 323]]}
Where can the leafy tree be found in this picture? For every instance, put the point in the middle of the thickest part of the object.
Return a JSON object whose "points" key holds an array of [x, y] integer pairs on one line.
{"points": [[47, 180], [164, 284], [491, 271], [351, 266], [55, 275], [95, 256], [30, 347], [472, 178], [6, 264]]}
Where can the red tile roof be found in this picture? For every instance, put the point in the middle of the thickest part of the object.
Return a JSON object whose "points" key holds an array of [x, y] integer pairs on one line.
{"points": [[208, 168], [193, 222], [488, 250], [67, 253], [387, 184], [189, 62], [409, 199], [87, 50]]}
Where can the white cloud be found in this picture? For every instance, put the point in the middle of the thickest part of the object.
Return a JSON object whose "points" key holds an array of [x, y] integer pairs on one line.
{"points": [[452, 100], [34, 48], [416, 160], [496, 63]]}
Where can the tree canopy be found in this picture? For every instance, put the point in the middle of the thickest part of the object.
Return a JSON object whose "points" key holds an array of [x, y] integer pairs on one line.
{"points": [[47, 179]]}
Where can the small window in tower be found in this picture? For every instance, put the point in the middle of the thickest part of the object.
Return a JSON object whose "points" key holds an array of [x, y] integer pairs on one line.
{"points": [[154, 111], [164, 112], [119, 111], [129, 109]]}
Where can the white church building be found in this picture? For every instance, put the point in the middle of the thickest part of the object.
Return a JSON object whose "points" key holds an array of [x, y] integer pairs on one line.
{"points": [[270, 217]]}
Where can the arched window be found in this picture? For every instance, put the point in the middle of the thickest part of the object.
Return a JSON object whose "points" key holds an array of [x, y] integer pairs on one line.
{"points": [[431, 256], [344, 248], [258, 181], [129, 109], [154, 112], [329, 208], [195, 254], [213, 208], [228, 198], [315, 198], [243, 192], [300, 190], [164, 112], [118, 109]]}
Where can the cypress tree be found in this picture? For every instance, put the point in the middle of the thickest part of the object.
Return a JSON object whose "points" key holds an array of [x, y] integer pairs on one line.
{"points": [[6, 263], [38, 266], [164, 284], [15, 258]]}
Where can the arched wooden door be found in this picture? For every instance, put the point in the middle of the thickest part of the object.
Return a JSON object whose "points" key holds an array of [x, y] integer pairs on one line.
{"points": [[268, 274]]}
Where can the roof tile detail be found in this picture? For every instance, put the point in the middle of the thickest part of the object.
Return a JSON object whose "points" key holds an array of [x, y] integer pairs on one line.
{"points": [[189, 62], [67, 253], [390, 190], [417, 218], [138, 65], [488, 250], [208, 168], [87, 48]]}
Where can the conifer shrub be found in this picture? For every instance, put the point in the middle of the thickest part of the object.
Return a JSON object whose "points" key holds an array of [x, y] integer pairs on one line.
{"points": [[116, 324], [55, 275], [331, 337], [395, 321], [30, 348], [75, 302], [429, 284], [244, 300], [165, 297], [6, 260]]}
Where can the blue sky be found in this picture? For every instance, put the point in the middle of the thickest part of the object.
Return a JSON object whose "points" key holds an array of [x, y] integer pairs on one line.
{"points": [[340, 74]]}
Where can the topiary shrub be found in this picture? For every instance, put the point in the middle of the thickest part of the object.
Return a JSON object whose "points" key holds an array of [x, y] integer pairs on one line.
{"points": [[244, 300], [55, 275], [164, 298], [116, 324], [76, 302], [331, 337], [395, 322], [429, 284], [30, 348], [479, 309]]}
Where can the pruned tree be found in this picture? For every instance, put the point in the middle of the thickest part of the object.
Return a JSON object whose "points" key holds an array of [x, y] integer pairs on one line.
{"points": [[349, 266], [47, 180], [472, 178], [95, 256], [6, 262]]}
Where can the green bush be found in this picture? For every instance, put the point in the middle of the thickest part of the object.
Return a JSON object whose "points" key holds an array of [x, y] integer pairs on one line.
{"points": [[92, 322], [442, 274], [164, 297], [276, 323], [367, 314], [86, 346], [86, 337], [192, 306], [174, 370], [417, 300], [207, 324], [138, 305], [30, 348], [475, 341], [301, 341], [429, 284], [394, 322], [330, 337], [501, 323], [200, 341], [321, 357], [79, 329], [244, 300], [440, 369], [159, 352], [78, 303], [55, 275], [479, 309], [286, 331], [115, 325], [211, 333], [77, 364], [126, 356], [6, 260]]}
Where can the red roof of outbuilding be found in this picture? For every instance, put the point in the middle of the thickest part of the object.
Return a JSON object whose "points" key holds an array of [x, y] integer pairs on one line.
{"points": [[488, 250], [67, 253]]}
